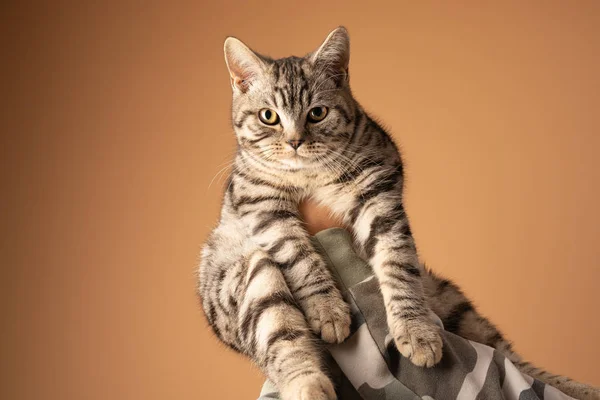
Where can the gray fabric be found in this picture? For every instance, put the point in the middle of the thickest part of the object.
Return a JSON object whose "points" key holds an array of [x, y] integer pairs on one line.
{"points": [[372, 367], [494, 379], [268, 391]]}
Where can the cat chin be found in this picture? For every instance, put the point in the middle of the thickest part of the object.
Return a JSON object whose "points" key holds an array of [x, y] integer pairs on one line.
{"points": [[294, 162]]}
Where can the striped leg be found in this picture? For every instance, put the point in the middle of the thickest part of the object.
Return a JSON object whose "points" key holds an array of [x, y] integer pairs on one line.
{"points": [[281, 233], [383, 231], [251, 308], [459, 316]]}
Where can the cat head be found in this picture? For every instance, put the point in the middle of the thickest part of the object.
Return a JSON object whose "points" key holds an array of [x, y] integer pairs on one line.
{"points": [[294, 112]]}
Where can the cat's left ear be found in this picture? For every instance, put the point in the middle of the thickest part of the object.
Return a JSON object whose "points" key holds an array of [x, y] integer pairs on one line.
{"points": [[334, 54], [243, 64]]}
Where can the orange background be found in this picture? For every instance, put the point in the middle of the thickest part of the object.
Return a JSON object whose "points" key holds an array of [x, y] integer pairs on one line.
{"points": [[117, 118]]}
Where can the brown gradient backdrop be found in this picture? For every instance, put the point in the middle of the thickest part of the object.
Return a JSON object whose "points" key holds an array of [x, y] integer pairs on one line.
{"points": [[117, 119]]}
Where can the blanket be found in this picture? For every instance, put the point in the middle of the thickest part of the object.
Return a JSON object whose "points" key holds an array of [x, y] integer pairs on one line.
{"points": [[368, 366]]}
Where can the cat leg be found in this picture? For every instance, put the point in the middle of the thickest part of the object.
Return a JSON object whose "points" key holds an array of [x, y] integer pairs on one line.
{"points": [[460, 317], [250, 307], [382, 231], [280, 232]]}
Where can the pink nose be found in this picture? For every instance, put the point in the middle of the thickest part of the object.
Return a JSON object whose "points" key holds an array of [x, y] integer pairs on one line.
{"points": [[296, 143]]}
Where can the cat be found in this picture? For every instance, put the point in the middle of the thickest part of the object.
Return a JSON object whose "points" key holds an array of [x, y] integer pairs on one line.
{"points": [[265, 290]]}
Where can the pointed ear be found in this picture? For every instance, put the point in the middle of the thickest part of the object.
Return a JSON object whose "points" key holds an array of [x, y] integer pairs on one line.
{"points": [[334, 53], [243, 64]]}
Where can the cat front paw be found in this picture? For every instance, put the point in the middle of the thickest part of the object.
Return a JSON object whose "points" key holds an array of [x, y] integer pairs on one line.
{"points": [[419, 340], [328, 315], [314, 386]]}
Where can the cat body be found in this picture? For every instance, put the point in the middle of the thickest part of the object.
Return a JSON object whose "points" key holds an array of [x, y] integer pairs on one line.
{"points": [[265, 290]]}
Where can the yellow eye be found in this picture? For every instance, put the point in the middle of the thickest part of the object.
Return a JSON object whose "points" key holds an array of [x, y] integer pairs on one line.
{"points": [[317, 114], [268, 116]]}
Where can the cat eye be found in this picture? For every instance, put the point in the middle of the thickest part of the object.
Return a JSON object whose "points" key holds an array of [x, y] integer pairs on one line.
{"points": [[268, 116], [317, 114]]}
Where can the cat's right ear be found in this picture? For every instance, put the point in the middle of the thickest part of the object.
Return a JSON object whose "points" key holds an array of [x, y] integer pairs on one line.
{"points": [[243, 64]]}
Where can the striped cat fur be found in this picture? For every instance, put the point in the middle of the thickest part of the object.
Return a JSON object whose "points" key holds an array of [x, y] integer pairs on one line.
{"points": [[265, 290]]}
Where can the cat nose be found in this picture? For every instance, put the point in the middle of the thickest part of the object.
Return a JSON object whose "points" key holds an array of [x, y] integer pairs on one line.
{"points": [[296, 143]]}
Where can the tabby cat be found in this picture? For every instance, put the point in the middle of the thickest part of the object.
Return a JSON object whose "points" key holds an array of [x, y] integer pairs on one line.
{"points": [[264, 288]]}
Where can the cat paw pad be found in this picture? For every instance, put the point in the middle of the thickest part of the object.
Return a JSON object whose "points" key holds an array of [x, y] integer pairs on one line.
{"points": [[328, 316], [310, 387], [419, 341]]}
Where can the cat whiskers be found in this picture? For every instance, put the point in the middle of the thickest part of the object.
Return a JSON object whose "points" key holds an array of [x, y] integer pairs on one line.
{"points": [[361, 152], [336, 167], [267, 153], [220, 173], [351, 163], [352, 184]]}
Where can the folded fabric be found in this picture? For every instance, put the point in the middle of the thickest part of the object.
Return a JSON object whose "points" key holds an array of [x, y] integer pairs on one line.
{"points": [[370, 367]]}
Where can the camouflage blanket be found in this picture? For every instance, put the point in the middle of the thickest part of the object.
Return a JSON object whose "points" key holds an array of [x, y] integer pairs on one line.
{"points": [[370, 368]]}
